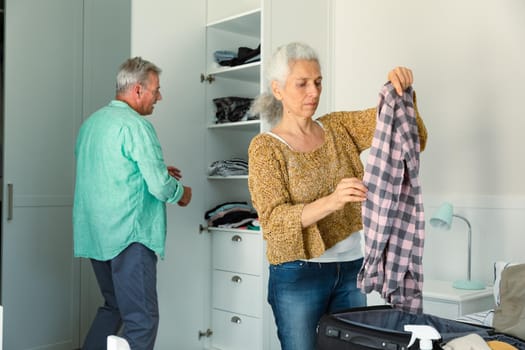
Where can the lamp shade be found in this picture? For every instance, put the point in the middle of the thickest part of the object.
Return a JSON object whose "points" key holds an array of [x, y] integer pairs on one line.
{"points": [[442, 218]]}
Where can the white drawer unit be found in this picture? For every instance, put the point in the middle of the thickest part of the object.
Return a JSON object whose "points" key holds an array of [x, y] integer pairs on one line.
{"points": [[237, 289], [236, 292], [443, 300]]}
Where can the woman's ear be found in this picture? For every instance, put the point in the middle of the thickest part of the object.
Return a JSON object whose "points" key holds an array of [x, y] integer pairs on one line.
{"points": [[276, 90]]}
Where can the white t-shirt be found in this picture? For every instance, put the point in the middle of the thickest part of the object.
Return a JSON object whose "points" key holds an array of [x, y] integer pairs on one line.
{"points": [[348, 249]]}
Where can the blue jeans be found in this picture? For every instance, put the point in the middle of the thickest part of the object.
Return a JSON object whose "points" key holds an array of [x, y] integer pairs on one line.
{"points": [[301, 292], [128, 284]]}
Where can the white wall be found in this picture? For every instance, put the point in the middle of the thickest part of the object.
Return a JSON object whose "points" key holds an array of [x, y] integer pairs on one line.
{"points": [[467, 59]]}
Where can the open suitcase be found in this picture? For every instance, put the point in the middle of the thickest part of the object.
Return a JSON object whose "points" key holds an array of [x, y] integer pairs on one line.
{"points": [[382, 327]]}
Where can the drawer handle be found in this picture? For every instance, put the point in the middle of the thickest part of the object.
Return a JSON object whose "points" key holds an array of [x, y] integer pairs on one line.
{"points": [[236, 320], [236, 279], [237, 238], [9, 202]]}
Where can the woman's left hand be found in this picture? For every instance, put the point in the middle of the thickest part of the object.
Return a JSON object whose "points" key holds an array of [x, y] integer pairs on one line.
{"points": [[401, 78]]}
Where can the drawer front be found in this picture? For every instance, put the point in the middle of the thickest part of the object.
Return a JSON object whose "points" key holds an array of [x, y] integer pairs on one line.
{"points": [[240, 252], [236, 332], [476, 305], [441, 308], [237, 292]]}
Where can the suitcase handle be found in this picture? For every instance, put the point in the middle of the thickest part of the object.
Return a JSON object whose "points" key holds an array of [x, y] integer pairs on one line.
{"points": [[360, 339]]}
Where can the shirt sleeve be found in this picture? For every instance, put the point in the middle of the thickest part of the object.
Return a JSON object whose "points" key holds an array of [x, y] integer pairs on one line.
{"points": [[142, 146]]}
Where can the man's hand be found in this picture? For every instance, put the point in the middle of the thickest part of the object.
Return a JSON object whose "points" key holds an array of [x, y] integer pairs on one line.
{"points": [[174, 172], [186, 197]]}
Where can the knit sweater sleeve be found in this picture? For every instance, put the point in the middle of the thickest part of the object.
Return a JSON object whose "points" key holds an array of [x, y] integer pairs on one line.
{"points": [[360, 125], [268, 184], [423, 134]]}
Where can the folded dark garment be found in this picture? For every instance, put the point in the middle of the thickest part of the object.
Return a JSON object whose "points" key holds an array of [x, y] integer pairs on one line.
{"points": [[244, 54], [232, 217], [231, 109]]}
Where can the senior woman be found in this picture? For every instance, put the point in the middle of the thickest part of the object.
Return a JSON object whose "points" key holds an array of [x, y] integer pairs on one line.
{"points": [[305, 182]]}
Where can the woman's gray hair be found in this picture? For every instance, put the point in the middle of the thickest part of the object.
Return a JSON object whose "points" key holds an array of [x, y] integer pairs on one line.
{"points": [[278, 68], [134, 70]]}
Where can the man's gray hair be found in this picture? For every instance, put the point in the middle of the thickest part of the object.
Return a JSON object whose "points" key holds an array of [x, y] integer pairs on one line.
{"points": [[134, 70], [278, 69]]}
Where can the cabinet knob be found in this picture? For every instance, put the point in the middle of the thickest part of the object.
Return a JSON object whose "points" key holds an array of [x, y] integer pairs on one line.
{"points": [[236, 320], [237, 238], [209, 78], [236, 279]]}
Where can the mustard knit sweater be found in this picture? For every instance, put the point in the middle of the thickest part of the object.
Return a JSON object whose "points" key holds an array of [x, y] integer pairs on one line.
{"points": [[281, 181]]}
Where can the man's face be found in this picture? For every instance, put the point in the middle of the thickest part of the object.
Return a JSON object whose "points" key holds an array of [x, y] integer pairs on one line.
{"points": [[149, 95]]}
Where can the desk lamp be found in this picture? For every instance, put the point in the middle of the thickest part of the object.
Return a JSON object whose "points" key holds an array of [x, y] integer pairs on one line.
{"points": [[442, 218]]}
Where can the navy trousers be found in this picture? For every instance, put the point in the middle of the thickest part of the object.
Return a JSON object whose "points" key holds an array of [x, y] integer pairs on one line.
{"points": [[128, 284]]}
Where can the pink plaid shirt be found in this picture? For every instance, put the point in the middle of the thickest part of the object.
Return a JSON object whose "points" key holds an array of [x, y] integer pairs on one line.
{"points": [[393, 216]]}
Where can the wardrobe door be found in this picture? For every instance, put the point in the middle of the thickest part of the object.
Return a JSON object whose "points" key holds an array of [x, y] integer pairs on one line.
{"points": [[171, 34], [43, 93], [107, 26]]}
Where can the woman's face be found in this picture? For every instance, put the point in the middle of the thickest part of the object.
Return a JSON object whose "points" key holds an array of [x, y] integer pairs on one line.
{"points": [[302, 89]]}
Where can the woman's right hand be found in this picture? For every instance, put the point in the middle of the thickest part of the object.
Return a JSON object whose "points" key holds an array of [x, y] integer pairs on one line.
{"points": [[348, 190], [401, 78]]}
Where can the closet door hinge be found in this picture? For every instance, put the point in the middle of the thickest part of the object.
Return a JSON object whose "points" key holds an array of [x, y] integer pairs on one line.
{"points": [[209, 78], [208, 333], [202, 228]]}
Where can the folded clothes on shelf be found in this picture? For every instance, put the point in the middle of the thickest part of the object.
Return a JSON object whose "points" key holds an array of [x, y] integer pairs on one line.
{"points": [[228, 167], [232, 109], [231, 215], [244, 55], [223, 55]]}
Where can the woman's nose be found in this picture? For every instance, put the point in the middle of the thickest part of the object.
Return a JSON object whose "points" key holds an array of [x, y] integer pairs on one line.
{"points": [[314, 90]]}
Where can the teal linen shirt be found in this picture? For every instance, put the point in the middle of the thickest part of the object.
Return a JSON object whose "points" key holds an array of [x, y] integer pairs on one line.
{"points": [[122, 184]]}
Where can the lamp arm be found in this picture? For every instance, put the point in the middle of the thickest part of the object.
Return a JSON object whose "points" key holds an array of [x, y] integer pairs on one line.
{"points": [[469, 242]]}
